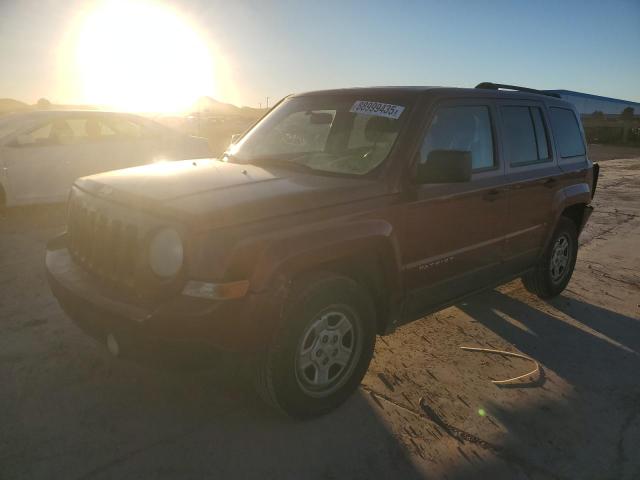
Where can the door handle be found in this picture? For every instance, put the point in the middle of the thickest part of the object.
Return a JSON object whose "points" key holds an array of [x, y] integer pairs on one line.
{"points": [[492, 195], [550, 183]]}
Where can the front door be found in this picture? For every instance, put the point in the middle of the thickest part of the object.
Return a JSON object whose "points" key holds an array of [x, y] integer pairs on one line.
{"points": [[454, 232]]}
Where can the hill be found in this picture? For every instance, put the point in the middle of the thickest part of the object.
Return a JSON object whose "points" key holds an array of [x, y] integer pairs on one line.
{"points": [[8, 105], [211, 106]]}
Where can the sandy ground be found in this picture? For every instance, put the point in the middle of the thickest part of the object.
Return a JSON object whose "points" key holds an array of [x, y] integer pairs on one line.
{"points": [[600, 152], [68, 410]]}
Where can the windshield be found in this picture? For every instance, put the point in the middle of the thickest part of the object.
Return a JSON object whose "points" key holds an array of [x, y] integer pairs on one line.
{"points": [[337, 134]]}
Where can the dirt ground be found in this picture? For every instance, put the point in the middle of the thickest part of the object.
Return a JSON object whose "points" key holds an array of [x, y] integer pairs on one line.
{"points": [[600, 152], [68, 410]]}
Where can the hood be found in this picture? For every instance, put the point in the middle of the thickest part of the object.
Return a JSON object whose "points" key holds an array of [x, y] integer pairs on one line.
{"points": [[215, 193]]}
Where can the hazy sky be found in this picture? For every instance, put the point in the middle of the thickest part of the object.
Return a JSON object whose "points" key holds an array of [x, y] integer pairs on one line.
{"points": [[265, 48]]}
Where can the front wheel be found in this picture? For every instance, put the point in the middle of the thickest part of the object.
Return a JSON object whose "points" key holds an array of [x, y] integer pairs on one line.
{"points": [[322, 349], [554, 269]]}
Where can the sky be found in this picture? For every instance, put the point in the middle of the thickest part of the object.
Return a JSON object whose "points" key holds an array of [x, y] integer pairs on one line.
{"points": [[106, 51]]}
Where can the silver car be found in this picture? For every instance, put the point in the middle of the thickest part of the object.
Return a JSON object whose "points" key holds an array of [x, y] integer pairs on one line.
{"points": [[43, 152]]}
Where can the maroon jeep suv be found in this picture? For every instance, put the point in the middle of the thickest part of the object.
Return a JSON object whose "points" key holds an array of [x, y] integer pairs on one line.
{"points": [[338, 216]]}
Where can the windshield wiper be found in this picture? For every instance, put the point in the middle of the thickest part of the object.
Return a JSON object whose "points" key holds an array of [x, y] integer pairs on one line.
{"points": [[277, 161], [229, 157]]}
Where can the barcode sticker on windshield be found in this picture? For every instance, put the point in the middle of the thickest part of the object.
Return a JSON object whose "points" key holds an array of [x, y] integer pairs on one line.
{"points": [[378, 109]]}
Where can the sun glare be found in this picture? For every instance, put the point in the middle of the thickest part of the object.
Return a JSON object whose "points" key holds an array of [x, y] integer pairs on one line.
{"points": [[142, 56]]}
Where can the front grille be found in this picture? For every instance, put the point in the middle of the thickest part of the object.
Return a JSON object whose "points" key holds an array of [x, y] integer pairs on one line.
{"points": [[105, 246]]}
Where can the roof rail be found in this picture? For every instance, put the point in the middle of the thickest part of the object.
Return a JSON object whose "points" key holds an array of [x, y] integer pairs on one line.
{"points": [[497, 86]]}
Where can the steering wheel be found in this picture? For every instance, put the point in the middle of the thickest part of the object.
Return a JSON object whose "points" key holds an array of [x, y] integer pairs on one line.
{"points": [[353, 160]]}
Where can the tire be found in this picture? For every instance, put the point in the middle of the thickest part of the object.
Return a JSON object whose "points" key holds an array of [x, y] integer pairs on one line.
{"points": [[322, 348], [553, 271]]}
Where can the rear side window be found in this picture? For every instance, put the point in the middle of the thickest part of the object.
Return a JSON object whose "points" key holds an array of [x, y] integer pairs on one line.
{"points": [[466, 128], [566, 131], [127, 129], [525, 136]]}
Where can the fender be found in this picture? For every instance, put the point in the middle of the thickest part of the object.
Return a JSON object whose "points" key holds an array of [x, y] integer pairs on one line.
{"points": [[575, 194], [314, 247], [369, 246]]}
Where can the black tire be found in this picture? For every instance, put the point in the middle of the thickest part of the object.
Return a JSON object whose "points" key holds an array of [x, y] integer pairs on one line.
{"points": [[547, 279], [322, 297]]}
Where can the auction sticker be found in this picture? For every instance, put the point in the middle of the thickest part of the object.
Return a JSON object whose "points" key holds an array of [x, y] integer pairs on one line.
{"points": [[378, 109]]}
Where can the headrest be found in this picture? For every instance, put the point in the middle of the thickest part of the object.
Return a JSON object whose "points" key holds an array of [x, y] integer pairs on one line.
{"points": [[92, 128], [377, 126]]}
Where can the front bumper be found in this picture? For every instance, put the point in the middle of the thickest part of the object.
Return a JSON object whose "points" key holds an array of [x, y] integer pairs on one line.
{"points": [[236, 325]]}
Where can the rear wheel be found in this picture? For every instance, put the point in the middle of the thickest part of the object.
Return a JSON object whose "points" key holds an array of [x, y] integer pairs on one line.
{"points": [[322, 349], [554, 269]]}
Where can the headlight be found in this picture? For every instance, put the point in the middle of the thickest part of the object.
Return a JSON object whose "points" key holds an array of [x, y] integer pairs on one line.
{"points": [[166, 253]]}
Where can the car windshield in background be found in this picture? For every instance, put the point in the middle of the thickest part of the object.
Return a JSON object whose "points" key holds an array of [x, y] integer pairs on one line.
{"points": [[334, 134]]}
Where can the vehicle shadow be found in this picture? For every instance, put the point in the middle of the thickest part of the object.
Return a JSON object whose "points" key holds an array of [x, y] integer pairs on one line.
{"points": [[620, 328], [574, 353], [120, 420], [571, 430]]}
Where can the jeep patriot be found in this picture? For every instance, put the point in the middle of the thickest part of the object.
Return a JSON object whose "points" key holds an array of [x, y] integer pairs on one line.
{"points": [[338, 216]]}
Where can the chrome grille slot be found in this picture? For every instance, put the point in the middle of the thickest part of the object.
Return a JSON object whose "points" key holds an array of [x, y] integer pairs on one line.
{"points": [[114, 245], [107, 247], [130, 253]]}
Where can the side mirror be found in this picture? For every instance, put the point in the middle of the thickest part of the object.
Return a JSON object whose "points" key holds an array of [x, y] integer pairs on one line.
{"points": [[445, 166], [235, 137]]}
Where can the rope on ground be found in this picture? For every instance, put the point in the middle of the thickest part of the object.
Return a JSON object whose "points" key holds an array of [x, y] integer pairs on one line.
{"points": [[511, 354]]}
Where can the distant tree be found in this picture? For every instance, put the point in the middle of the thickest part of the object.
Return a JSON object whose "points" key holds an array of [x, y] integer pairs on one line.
{"points": [[597, 115], [627, 114], [43, 104], [627, 117]]}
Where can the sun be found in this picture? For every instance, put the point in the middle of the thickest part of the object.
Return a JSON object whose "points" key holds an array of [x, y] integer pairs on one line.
{"points": [[139, 55]]}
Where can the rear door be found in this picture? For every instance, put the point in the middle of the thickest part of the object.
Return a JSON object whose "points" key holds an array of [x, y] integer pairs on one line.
{"points": [[137, 142], [36, 164], [92, 150], [533, 177], [106, 142], [454, 233], [570, 145]]}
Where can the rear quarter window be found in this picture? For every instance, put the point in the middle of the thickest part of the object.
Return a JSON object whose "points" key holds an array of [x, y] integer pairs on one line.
{"points": [[566, 131]]}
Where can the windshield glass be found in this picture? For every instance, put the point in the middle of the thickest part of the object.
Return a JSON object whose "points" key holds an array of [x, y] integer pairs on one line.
{"points": [[337, 134]]}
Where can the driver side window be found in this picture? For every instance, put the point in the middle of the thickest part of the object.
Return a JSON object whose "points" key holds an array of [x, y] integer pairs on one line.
{"points": [[466, 128]]}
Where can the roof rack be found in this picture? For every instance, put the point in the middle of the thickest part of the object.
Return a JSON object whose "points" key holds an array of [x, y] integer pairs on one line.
{"points": [[497, 86]]}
